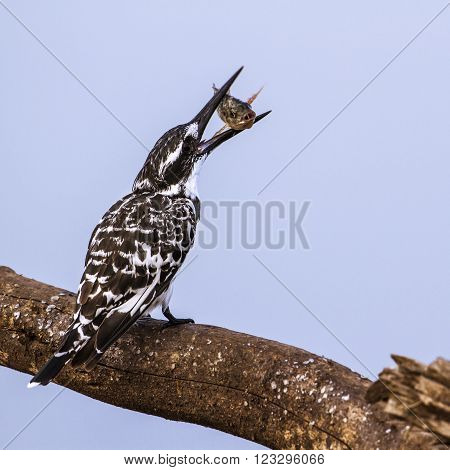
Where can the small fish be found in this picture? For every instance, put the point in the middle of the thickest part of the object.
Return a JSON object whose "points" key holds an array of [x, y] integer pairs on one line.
{"points": [[236, 114]]}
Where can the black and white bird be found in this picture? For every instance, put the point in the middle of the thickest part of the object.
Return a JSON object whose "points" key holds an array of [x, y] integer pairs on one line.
{"points": [[139, 245]]}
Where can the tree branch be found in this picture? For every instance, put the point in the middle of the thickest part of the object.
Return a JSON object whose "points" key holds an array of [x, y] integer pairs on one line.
{"points": [[274, 394]]}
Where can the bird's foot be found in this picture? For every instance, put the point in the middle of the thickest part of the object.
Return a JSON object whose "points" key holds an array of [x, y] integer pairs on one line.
{"points": [[177, 321], [172, 321]]}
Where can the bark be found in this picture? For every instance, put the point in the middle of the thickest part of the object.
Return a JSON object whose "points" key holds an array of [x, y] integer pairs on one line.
{"points": [[277, 395], [425, 390]]}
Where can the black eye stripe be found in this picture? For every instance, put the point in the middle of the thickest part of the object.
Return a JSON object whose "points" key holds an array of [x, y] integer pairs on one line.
{"points": [[188, 145]]}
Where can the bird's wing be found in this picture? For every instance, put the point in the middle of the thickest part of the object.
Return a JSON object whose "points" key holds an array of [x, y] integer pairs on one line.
{"points": [[133, 255]]}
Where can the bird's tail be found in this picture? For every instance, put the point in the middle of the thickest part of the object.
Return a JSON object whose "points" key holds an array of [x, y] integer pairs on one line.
{"points": [[50, 370], [54, 365]]}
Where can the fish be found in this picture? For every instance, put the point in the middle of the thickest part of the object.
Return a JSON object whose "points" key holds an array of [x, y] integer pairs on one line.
{"points": [[236, 114]]}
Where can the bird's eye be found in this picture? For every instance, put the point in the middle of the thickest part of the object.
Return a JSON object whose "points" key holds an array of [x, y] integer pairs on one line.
{"points": [[188, 146]]}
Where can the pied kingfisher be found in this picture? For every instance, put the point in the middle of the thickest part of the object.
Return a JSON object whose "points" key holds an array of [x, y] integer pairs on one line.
{"points": [[139, 245]]}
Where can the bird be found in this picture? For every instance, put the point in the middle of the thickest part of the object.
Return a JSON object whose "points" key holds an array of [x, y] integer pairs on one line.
{"points": [[139, 245]]}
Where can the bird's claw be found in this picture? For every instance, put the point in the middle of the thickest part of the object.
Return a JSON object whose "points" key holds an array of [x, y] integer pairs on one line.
{"points": [[177, 321]]}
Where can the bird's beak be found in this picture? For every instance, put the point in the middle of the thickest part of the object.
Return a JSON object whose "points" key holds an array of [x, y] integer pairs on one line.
{"points": [[203, 117], [207, 146], [206, 113]]}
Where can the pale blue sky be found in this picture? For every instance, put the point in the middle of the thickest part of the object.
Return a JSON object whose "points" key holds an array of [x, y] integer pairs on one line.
{"points": [[377, 273]]}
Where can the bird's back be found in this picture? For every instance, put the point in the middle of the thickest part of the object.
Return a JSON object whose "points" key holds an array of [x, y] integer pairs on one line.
{"points": [[133, 255]]}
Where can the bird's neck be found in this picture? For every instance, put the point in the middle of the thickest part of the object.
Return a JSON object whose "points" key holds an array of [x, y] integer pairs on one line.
{"points": [[150, 180]]}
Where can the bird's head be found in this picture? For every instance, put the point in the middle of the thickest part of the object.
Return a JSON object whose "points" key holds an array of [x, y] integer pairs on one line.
{"points": [[173, 163]]}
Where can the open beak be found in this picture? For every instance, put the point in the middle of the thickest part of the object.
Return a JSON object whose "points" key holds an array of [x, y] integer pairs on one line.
{"points": [[207, 146], [206, 113], [203, 117]]}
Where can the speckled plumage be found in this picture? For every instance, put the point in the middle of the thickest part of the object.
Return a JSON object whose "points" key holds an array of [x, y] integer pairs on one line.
{"points": [[134, 254], [139, 245], [135, 251]]}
